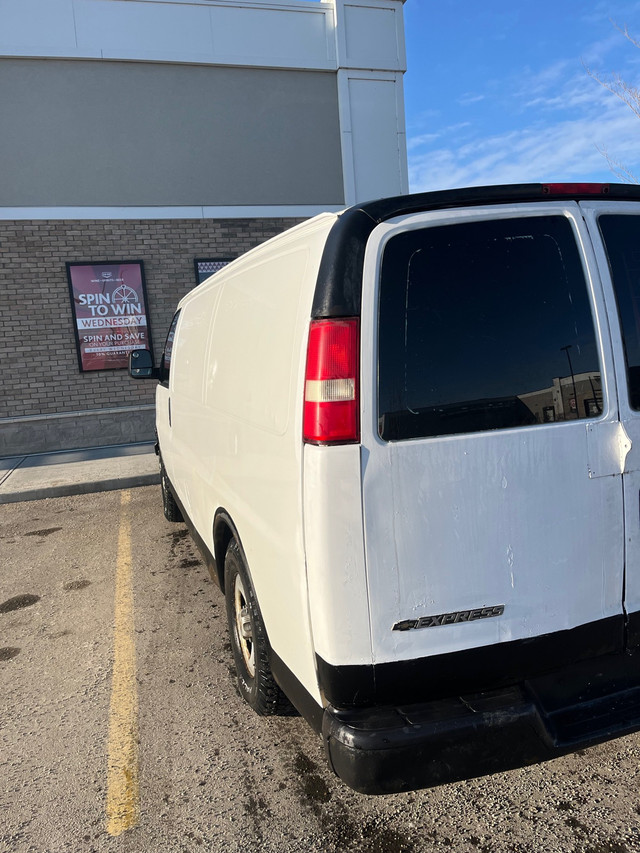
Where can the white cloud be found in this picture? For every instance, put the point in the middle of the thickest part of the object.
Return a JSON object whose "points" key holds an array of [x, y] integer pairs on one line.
{"points": [[601, 12], [423, 139], [469, 98], [566, 150], [561, 121], [597, 53], [547, 79]]}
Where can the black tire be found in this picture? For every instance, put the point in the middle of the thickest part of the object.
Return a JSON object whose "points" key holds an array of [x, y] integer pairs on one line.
{"points": [[169, 505], [249, 642]]}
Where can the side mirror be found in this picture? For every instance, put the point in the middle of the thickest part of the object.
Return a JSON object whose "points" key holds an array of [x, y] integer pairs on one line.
{"points": [[141, 365]]}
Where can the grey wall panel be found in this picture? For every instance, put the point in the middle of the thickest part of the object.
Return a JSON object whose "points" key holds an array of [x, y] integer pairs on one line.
{"points": [[76, 132]]}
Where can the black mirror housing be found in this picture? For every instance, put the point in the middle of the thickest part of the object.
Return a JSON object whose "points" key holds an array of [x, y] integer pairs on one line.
{"points": [[141, 365]]}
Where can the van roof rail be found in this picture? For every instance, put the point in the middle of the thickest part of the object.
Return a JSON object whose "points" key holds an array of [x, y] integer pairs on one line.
{"points": [[339, 287]]}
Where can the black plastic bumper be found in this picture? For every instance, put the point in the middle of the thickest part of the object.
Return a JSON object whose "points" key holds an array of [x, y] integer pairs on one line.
{"points": [[387, 750]]}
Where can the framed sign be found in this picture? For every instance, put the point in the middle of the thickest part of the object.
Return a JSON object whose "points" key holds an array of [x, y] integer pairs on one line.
{"points": [[110, 313], [207, 266]]}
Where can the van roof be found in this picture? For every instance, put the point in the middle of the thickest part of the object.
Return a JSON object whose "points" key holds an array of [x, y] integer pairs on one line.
{"points": [[339, 286]]}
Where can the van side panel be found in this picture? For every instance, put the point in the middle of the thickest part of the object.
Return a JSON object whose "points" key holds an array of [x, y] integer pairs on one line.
{"points": [[238, 413], [248, 374], [189, 430], [334, 544]]}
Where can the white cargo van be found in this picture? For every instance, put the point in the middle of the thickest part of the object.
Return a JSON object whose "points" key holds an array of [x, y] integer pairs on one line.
{"points": [[406, 439]]}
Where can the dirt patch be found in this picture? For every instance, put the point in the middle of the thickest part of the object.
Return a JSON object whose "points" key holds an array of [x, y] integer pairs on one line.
{"points": [[18, 602]]}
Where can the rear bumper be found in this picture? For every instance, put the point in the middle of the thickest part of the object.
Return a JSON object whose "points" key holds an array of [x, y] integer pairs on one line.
{"points": [[391, 749]]}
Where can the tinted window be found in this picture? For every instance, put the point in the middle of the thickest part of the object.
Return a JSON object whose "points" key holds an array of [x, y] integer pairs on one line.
{"points": [[484, 325], [168, 349], [621, 235]]}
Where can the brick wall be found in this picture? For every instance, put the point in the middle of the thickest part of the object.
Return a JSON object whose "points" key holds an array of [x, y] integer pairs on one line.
{"points": [[46, 403]]}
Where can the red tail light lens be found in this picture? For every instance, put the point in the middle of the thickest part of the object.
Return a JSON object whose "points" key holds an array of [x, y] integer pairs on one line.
{"points": [[331, 388], [575, 189]]}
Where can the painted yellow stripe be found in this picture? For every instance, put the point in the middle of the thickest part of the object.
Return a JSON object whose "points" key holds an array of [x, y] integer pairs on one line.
{"points": [[123, 790]]}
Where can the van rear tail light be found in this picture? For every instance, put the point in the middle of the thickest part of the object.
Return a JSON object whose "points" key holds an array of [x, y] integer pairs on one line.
{"points": [[331, 389]]}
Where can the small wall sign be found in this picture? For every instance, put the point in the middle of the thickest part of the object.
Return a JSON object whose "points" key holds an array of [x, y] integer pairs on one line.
{"points": [[205, 267]]}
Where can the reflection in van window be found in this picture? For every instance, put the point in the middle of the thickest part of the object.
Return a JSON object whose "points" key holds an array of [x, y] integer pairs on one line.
{"points": [[621, 235], [484, 325], [168, 349]]}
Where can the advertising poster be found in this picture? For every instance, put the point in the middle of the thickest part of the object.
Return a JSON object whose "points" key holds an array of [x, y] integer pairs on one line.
{"points": [[110, 313], [207, 266]]}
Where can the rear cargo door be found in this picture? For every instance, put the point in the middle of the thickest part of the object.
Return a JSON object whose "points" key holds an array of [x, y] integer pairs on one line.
{"points": [[615, 230], [491, 445]]}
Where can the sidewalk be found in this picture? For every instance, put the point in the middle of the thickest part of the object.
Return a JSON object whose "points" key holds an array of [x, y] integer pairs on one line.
{"points": [[77, 472]]}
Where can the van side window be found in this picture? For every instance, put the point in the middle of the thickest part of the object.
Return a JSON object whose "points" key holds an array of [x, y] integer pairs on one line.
{"points": [[484, 325], [168, 349], [621, 235]]}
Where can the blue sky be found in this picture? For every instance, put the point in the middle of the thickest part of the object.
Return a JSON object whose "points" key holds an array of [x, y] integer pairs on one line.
{"points": [[497, 91]]}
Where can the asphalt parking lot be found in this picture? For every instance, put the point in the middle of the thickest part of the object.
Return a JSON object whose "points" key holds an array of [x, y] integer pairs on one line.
{"points": [[121, 729]]}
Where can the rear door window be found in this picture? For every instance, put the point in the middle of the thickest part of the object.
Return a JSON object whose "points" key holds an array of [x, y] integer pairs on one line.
{"points": [[485, 325], [621, 236], [168, 350]]}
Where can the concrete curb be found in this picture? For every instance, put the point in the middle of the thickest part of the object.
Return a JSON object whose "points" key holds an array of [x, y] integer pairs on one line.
{"points": [[77, 472], [68, 489]]}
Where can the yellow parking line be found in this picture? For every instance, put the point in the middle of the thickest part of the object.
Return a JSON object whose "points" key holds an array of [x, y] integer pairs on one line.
{"points": [[123, 790]]}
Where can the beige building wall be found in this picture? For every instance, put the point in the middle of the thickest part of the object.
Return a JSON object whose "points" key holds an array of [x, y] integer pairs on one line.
{"points": [[165, 131], [128, 133]]}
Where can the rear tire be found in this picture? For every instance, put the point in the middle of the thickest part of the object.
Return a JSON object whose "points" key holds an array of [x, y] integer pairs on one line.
{"points": [[249, 640], [169, 505]]}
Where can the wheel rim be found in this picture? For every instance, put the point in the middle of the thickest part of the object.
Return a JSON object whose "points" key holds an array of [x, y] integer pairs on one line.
{"points": [[244, 626]]}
